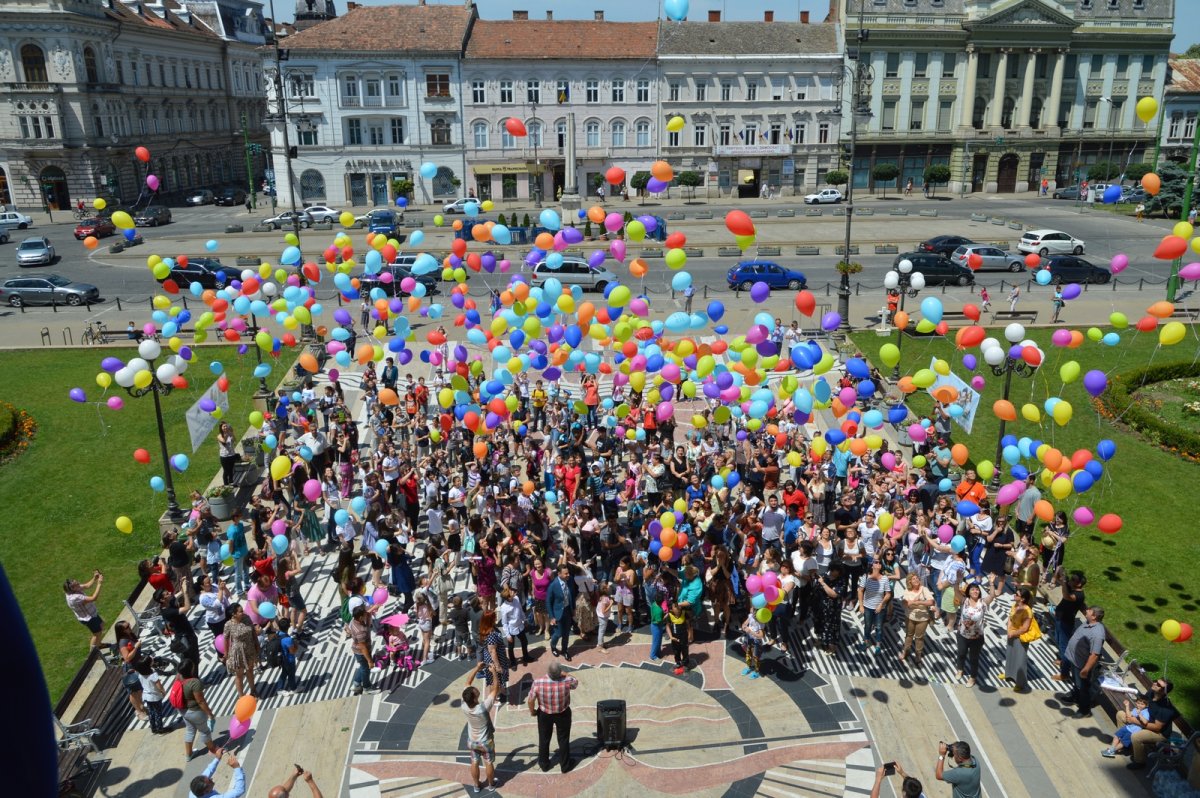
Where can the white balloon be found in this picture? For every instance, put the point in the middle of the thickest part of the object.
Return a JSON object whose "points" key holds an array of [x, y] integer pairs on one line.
{"points": [[917, 281], [1014, 332], [270, 289], [994, 356], [166, 372], [891, 280], [149, 349], [124, 377]]}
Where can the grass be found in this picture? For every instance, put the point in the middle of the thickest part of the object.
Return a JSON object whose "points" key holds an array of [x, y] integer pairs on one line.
{"points": [[63, 495], [1167, 400], [1144, 574]]}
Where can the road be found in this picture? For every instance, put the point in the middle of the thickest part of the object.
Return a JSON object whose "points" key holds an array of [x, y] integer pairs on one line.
{"points": [[125, 275]]}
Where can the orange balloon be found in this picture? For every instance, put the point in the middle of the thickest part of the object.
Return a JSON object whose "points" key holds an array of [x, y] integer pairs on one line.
{"points": [[414, 303], [585, 313], [457, 224], [481, 233], [309, 363], [596, 214], [1076, 340], [1044, 510], [91, 242], [959, 453], [906, 384], [544, 241], [858, 447], [1161, 309], [1052, 459], [1152, 183], [381, 305], [481, 449], [900, 319], [638, 268], [663, 171], [388, 397], [364, 353], [521, 291], [1004, 410]]}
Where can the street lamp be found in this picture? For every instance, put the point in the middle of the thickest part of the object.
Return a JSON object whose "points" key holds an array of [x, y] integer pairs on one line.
{"points": [[1005, 363], [252, 330], [161, 383], [537, 161], [862, 78], [1112, 130], [909, 284]]}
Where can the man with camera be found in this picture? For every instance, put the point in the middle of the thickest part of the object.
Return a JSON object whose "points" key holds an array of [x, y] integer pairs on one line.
{"points": [[909, 787], [965, 774]]}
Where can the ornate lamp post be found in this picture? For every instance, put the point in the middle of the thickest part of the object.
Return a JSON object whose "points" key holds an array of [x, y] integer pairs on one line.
{"points": [[861, 74], [161, 383], [909, 284], [1005, 363]]}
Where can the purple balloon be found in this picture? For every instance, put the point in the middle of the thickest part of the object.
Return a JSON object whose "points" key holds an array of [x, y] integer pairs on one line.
{"points": [[760, 291], [77, 395], [724, 380], [711, 390], [649, 222], [596, 258], [970, 362], [334, 374], [831, 321], [1014, 351], [1061, 337], [654, 185], [112, 364], [766, 348], [404, 356], [1095, 382], [488, 261], [552, 373], [572, 235], [342, 316], [1071, 291], [455, 261], [667, 391], [207, 405]]}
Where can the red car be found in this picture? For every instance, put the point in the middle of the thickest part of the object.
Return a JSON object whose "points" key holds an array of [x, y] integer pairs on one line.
{"points": [[94, 227]]}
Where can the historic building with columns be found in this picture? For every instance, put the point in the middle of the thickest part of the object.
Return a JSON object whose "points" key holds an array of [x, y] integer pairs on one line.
{"points": [[1005, 92]]}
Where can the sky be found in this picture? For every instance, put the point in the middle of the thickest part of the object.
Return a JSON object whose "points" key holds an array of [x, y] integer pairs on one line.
{"points": [[1187, 26]]}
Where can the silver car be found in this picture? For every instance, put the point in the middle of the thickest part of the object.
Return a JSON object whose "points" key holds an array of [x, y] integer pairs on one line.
{"points": [[36, 251], [991, 257], [575, 271], [285, 220], [323, 213], [49, 289]]}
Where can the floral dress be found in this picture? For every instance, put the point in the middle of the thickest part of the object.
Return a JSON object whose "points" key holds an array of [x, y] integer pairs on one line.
{"points": [[495, 639]]}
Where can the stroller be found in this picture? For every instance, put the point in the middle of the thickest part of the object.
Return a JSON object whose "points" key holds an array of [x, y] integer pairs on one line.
{"points": [[396, 649]]}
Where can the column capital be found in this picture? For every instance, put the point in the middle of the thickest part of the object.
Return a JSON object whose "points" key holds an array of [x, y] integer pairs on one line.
{"points": [[970, 48], [1062, 50], [1035, 51], [1006, 50]]}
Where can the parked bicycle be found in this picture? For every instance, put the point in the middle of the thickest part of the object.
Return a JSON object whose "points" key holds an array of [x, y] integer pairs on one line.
{"points": [[95, 333]]}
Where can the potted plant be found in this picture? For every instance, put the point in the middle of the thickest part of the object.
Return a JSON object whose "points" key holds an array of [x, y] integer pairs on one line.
{"points": [[221, 501], [848, 267]]}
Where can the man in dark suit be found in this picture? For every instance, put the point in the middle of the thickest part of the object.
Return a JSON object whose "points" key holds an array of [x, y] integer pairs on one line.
{"points": [[560, 605]]}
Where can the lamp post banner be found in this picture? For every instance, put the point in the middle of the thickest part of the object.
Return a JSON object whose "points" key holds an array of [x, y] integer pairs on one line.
{"points": [[968, 397], [201, 422]]}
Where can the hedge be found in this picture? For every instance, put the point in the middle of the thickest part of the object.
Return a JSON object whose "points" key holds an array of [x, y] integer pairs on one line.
{"points": [[1118, 402], [8, 423]]}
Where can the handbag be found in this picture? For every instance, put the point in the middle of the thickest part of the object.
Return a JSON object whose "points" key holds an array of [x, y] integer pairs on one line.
{"points": [[1034, 632]]}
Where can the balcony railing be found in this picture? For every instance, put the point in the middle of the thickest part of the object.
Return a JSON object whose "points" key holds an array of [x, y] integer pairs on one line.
{"points": [[350, 101], [439, 98], [33, 88]]}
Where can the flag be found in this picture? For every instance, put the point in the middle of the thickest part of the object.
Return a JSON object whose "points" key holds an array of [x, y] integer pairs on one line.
{"points": [[741, 135], [788, 133], [763, 136]]}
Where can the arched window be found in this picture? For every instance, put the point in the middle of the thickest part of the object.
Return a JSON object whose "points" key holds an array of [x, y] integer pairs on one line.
{"points": [[444, 182], [506, 139], [1006, 114], [439, 132], [591, 133], [89, 65], [618, 133], [33, 64], [1035, 113], [643, 133], [312, 186], [479, 132], [534, 129], [978, 112], [560, 134]]}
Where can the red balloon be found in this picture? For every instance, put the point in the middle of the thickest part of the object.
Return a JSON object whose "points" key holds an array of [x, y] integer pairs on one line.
{"points": [[182, 260], [515, 127], [141, 455], [180, 382], [675, 240], [970, 336], [223, 383], [806, 303], [975, 261], [1171, 247], [1032, 260], [1031, 356], [942, 328], [312, 272], [1147, 323], [459, 247], [738, 223], [1185, 633], [1110, 524], [142, 154], [1081, 458], [971, 312], [615, 175], [471, 420], [170, 286]]}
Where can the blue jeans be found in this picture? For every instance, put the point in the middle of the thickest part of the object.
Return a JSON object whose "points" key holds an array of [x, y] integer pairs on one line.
{"points": [[239, 574], [872, 626], [1062, 635], [561, 633], [362, 673], [656, 636], [287, 675], [977, 557]]}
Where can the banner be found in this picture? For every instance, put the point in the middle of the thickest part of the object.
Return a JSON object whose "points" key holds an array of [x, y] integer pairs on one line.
{"points": [[200, 422], [968, 398]]}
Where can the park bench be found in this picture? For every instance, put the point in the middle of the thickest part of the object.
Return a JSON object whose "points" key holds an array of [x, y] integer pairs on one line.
{"points": [[954, 315], [1185, 313], [1015, 315], [80, 737]]}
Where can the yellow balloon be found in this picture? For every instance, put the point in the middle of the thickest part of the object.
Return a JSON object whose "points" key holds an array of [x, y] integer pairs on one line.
{"points": [[1171, 630], [794, 459], [699, 422], [256, 418], [124, 524], [122, 220], [1063, 412], [744, 242], [1031, 413], [889, 354], [667, 520], [1147, 107], [824, 364], [819, 446], [941, 367], [924, 378], [1060, 488], [1195, 245], [292, 238], [142, 378], [675, 124], [104, 379], [885, 521], [347, 219], [1171, 333], [1183, 229], [99, 204], [487, 206], [281, 466]]}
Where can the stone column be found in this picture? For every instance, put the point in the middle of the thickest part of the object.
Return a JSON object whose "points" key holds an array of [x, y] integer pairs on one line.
{"points": [[1025, 109], [1050, 114], [998, 89], [968, 93]]}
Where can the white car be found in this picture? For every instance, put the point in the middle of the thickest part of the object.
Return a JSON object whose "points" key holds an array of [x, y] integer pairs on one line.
{"points": [[459, 205], [575, 271], [824, 196], [323, 213], [15, 219], [1050, 242]]}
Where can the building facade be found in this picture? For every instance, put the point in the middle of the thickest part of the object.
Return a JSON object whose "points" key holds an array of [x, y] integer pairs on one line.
{"points": [[86, 82], [1007, 93], [758, 100], [543, 72], [1181, 109], [368, 98]]}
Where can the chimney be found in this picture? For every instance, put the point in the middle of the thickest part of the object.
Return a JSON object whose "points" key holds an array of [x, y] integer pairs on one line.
{"points": [[598, 16], [350, 6], [803, 17], [768, 16], [549, 14], [833, 15], [714, 16], [520, 14]]}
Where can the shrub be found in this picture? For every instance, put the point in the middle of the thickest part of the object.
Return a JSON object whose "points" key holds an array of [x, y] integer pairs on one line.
{"points": [[838, 177], [1119, 402]]}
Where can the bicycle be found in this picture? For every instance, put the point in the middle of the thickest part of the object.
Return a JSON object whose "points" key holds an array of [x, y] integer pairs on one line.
{"points": [[94, 333], [81, 213]]}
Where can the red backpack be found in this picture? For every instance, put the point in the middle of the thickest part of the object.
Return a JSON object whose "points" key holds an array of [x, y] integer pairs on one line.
{"points": [[175, 695]]}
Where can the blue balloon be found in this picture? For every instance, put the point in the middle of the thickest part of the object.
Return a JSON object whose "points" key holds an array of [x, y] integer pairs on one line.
{"points": [[858, 368], [866, 389], [551, 497], [1082, 481], [931, 309], [945, 485], [1112, 194], [758, 601], [381, 547], [267, 610], [1019, 472], [1043, 277], [341, 517], [1094, 469], [1008, 440], [715, 310], [1111, 339], [896, 415], [428, 170], [1012, 455], [280, 544], [732, 479], [1105, 449], [958, 543], [358, 504], [835, 437], [157, 483], [717, 481], [676, 10], [967, 508]]}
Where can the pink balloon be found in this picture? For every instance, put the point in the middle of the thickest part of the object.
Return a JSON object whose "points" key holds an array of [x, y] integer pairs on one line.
{"points": [[664, 411], [1084, 516], [888, 460], [152, 182], [945, 533], [279, 527], [639, 307], [115, 402], [237, 728], [1190, 272], [977, 382], [757, 334], [380, 596], [754, 583], [1119, 263], [771, 592], [219, 644], [917, 432], [614, 222], [1061, 337], [617, 248], [312, 490], [1009, 493], [848, 395], [769, 578]]}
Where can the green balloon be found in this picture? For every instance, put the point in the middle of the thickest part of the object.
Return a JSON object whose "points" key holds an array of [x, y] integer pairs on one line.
{"points": [[889, 354], [1069, 372]]}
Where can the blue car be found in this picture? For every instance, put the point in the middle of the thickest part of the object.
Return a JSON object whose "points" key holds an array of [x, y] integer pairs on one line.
{"points": [[747, 273]]}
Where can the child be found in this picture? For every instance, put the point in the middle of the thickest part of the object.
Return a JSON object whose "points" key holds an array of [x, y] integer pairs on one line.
{"points": [[678, 619], [752, 642], [424, 613], [603, 607], [153, 695], [986, 298], [287, 663], [1123, 738], [461, 622]]}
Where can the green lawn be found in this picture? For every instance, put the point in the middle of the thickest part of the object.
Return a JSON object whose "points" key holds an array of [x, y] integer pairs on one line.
{"points": [[63, 495], [1146, 573]]}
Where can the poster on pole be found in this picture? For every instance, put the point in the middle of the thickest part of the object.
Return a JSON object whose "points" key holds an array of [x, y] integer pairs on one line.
{"points": [[201, 422], [968, 397]]}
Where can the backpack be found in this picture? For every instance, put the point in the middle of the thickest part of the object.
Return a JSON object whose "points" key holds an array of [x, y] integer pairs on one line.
{"points": [[346, 618], [273, 652], [175, 695]]}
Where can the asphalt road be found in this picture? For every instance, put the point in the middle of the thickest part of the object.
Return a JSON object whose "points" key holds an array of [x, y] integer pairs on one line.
{"points": [[1106, 234]]}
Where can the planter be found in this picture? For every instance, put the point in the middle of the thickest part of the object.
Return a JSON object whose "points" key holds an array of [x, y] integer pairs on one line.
{"points": [[222, 507], [252, 449]]}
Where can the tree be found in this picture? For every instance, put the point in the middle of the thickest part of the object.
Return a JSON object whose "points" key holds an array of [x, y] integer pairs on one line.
{"points": [[501, 220], [837, 177], [1103, 170], [1136, 171], [1169, 200], [1192, 52], [402, 188], [690, 180], [885, 173], [935, 174], [587, 230]]}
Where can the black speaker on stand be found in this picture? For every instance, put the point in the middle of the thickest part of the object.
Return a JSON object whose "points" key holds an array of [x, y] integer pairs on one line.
{"points": [[610, 724]]}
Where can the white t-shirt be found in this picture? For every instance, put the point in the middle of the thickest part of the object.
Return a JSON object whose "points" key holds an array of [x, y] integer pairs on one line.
{"points": [[434, 517], [479, 721], [804, 568]]}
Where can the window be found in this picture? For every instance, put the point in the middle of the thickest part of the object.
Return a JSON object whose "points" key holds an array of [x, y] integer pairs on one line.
{"points": [[33, 64], [802, 91], [350, 90], [672, 138], [1097, 64], [397, 124], [777, 88], [945, 113], [162, 76], [312, 186], [1122, 65], [1089, 115], [562, 92], [618, 133], [306, 135], [560, 134], [98, 124], [592, 92], [479, 132], [1147, 65], [1115, 115], [591, 132], [823, 133], [752, 91], [642, 131], [439, 132], [1139, 5], [354, 131], [643, 91], [150, 75], [673, 91], [506, 139], [916, 116], [888, 121], [395, 89], [372, 93], [437, 84], [775, 136], [725, 135], [800, 133], [533, 92], [506, 92], [1189, 125], [618, 90], [921, 65], [121, 71], [700, 135], [701, 92], [89, 65], [303, 86], [826, 87], [1174, 127], [175, 75], [949, 62], [534, 131], [750, 134], [726, 91], [479, 93], [893, 65]]}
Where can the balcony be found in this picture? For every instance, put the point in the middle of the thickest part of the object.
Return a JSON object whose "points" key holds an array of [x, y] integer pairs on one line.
{"points": [[33, 88], [349, 101], [104, 88], [439, 99]]}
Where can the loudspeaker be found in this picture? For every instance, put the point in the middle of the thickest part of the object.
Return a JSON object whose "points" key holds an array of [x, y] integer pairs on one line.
{"points": [[610, 724]]}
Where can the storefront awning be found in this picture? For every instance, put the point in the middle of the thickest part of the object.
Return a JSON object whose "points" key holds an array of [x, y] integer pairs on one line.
{"points": [[505, 168]]}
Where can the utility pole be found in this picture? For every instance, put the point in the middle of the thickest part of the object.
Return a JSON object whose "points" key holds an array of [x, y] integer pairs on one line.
{"points": [[287, 149], [861, 74], [249, 168], [1173, 283]]}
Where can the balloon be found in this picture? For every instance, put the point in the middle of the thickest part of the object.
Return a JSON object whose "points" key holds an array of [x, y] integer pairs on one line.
{"points": [[267, 610], [1170, 630], [1095, 381], [142, 154], [1111, 194], [1170, 248], [1185, 633], [428, 170], [1147, 107], [806, 303], [219, 644], [889, 354], [675, 124], [124, 524], [1119, 263], [1110, 523], [831, 321], [676, 10], [739, 223], [122, 220], [515, 127], [243, 710], [1151, 183], [1171, 333], [931, 309], [958, 543]]}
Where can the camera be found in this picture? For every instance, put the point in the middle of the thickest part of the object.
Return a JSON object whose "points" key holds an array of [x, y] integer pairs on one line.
{"points": [[889, 768]]}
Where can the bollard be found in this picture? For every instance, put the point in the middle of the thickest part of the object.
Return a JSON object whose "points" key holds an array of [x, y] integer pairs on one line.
{"points": [[1141, 283], [54, 302], [706, 292], [118, 303], [184, 298]]}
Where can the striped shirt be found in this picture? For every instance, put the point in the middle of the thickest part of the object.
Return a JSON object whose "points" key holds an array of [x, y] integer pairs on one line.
{"points": [[874, 591]]}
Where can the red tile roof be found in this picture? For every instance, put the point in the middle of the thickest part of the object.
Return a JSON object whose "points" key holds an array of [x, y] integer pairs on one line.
{"points": [[1185, 76], [397, 28], [559, 39]]}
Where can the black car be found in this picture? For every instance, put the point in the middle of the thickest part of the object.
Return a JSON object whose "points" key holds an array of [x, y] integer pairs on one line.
{"points": [[153, 216], [200, 270], [944, 245], [399, 269], [1074, 269], [937, 269], [231, 196]]}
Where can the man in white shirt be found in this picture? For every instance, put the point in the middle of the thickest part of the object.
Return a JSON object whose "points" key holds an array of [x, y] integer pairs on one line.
{"points": [[871, 536]]}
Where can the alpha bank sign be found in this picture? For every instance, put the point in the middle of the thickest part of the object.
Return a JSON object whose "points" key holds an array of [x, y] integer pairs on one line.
{"points": [[738, 150]]}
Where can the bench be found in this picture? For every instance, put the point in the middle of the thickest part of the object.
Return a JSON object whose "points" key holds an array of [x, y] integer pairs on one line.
{"points": [[79, 737], [234, 228], [839, 211], [413, 223], [817, 211], [1185, 313], [954, 315], [248, 262], [979, 217], [266, 228], [808, 250], [694, 252], [676, 216], [929, 211], [758, 213], [786, 213], [1015, 315], [652, 253]]}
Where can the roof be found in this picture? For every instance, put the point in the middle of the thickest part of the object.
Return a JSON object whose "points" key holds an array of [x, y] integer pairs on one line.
{"points": [[397, 28], [1185, 76], [747, 38], [558, 39], [173, 17]]}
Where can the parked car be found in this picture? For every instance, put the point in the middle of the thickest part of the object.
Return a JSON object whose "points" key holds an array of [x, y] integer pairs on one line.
{"points": [[1134, 194], [749, 272], [1073, 269], [46, 289], [201, 196], [824, 197], [400, 268], [382, 221], [285, 221], [153, 216], [992, 258], [944, 245], [1050, 242], [16, 219], [1070, 192], [575, 271], [96, 226], [231, 196], [937, 269], [36, 251], [459, 205], [208, 272], [323, 213]]}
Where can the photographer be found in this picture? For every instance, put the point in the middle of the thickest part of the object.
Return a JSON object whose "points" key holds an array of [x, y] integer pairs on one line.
{"points": [[909, 787], [285, 790], [965, 774]]}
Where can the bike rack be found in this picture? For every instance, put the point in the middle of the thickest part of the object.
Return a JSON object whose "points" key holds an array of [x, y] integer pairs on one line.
{"points": [[66, 333], [47, 340]]}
